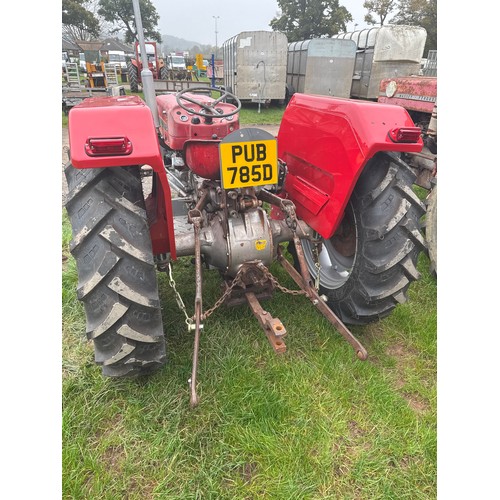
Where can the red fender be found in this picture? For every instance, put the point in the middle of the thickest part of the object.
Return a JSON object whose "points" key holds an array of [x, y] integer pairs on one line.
{"points": [[119, 132], [326, 142]]}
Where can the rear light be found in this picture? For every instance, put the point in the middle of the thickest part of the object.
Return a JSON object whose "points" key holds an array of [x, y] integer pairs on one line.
{"points": [[108, 146], [405, 134]]}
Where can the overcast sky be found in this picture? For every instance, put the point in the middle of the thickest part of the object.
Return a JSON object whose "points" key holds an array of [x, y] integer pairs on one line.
{"points": [[193, 19]]}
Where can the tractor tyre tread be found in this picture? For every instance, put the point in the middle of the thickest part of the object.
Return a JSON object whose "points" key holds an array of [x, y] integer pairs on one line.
{"points": [[431, 229], [387, 213], [133, 77], [117, 281]]}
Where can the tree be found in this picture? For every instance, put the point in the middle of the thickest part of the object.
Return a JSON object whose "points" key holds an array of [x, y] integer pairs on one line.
{"points": [[304, 19], [420, 13], [121, 14], [78, 23], [381, 8]]}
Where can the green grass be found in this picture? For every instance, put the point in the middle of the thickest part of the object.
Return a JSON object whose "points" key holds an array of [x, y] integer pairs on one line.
{"points": [[313, 423], [271, 115]]}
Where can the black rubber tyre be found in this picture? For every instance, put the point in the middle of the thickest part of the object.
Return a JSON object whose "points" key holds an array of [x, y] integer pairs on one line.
{"points": [[431, 228], [133, 77], [370, 261], [117, 280], [163, 73]]}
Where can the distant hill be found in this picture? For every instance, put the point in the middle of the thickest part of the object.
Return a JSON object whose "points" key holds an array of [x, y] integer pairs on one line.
{"points": [[172, 43]]}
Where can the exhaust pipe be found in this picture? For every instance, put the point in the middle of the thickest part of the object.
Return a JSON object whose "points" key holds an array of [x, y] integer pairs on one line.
{"points": [[146, 74]]}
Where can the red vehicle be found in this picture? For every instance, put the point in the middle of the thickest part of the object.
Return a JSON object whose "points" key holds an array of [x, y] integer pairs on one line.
{"points": [[156, 65], [418, 95], [331, 189]]}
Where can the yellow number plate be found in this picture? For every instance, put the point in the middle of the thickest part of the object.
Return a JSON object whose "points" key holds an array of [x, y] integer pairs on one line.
{"points": [[248, 163]]}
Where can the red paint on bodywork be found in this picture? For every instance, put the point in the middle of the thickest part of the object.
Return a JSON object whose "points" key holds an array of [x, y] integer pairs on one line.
{"points": [[178, 126], [326, 142], [125, 116], [416, 93], [202, 157]]}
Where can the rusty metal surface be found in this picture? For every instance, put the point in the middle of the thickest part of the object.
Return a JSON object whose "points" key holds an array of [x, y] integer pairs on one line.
{"points": [[252, 277], [253, 281], [318, 302], [273, 327], [195, 218], [416, 93]]}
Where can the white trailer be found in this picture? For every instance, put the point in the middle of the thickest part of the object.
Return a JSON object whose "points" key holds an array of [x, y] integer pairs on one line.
{"points": [[321, 66], [384, 52], [255, 66]]}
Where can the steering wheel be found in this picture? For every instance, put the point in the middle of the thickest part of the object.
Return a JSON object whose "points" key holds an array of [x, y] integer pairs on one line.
{"points": [[211, 112]]}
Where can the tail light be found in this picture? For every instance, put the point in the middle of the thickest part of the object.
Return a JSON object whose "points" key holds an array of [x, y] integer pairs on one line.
{"points": [[405, 134], [108, 146]]}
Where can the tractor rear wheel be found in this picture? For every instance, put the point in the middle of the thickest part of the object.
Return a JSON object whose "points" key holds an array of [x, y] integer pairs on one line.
{"points": [[133, 77], [431, 228], [367, 266], [116, 272], [163, 73]]}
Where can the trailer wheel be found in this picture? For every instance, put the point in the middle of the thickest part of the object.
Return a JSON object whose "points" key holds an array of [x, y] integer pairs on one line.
{"points": [[367, 266], [133, 77], [116, 273]]}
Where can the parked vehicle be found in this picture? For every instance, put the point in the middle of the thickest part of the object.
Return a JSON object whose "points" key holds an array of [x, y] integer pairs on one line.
{"points": [[321, 66], [156, 66], [338, 230], [176, 62], [117, 57], [255, 66], [340, 198], [384, 52], [176, 67]]}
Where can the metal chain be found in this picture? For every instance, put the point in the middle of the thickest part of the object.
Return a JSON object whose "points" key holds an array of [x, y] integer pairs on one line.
{"points": [[236, 281], [291, 221], [178, 298], [281, 287]]}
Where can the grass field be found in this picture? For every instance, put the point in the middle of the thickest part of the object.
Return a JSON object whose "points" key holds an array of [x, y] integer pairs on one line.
{"points": [[313, 423]]}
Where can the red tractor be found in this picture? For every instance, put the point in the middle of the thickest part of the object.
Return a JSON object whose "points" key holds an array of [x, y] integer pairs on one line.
{"points": [[339, 193], [156, 66], [331, 192]]}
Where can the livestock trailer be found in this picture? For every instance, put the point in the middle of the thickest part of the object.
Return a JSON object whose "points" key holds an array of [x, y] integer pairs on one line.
{"points": [[255, 66], [384, 52], [321, 66]]}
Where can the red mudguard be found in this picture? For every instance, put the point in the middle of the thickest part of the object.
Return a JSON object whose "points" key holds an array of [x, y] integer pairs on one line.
{"points": [[125, 125], [326, 143]]}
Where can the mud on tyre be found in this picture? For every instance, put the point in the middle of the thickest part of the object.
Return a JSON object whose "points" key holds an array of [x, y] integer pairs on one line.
{"points": [[116, 273], [367, 266]]}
